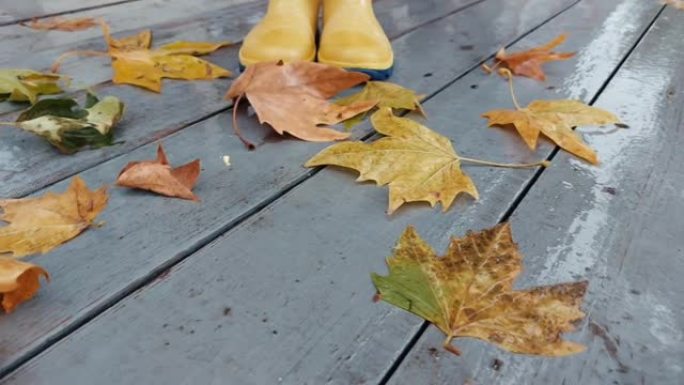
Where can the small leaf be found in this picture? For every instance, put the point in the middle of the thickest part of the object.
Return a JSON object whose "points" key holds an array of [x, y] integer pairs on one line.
{"points": [[38, 225], [60, 24], [386, 95], [529, 63], [19, 282], [417, 163], [554, 119], [19, 85], [468, 292], [158, 176], [69, 127], [293, 97]]}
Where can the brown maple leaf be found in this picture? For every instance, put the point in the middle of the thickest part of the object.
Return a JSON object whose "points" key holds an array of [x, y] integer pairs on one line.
{"points": [[468, 292], [60, 24], [529, 63], [19, 282], [293, 98], [159, 177]]}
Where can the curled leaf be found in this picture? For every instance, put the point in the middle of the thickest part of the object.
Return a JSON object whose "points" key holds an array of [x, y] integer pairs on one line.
{"points": [[67, 126], [468, 292], [529, 63], [19, 282], [61, 24], [159, 177], [20, 85], [293, 97], [38, 225]]}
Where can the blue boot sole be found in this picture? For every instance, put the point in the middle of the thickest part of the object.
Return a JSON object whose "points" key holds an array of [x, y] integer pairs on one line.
{"points": [[374, 74]]}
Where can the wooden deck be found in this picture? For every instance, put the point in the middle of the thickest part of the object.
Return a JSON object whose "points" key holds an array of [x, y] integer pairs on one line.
{"points": [[289, 250]]}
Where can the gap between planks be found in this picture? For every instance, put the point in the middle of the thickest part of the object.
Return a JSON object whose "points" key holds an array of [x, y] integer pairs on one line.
{"points": [[523, 193]]}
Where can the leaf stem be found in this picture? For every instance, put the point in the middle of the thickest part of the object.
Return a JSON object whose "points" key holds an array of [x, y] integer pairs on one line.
{"points": [[250, 146], [13, 124], [543, 163], [507, 73], [449, 347], [57, 63]]}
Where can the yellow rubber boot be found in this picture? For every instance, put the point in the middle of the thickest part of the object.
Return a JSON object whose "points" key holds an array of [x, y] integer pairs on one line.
{"points": [[287, 33], [353, 38]]}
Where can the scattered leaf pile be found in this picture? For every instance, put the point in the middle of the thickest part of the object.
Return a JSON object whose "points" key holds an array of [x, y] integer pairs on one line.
{"points": [[159, 177], [135, 63], [61, 24], [21, 85], [468, 292], [69, 127], [529, 63]]}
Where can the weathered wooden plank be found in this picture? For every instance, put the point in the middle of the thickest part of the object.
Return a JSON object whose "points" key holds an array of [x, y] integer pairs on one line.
{"points": [[15, 11], [295, 275], [29, 163], [617, 225], [106, 265], [123, 19]]}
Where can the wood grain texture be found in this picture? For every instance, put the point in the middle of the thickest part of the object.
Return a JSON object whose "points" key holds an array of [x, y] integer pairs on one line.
{"points": [[29, 163], [618, 225], [262, 175], [295, 275], [16, 11]]}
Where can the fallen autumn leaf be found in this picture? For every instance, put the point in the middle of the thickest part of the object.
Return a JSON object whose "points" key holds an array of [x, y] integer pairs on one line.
{"points": [[555, 119], [158, 176], [529, 63], [19, 282], [38, 225], [293, 97], [69, 127], [21, 85], [61, 24], [133, 62], [468, 292]]}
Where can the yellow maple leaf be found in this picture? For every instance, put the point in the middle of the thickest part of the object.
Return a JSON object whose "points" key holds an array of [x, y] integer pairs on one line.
{"points": [[22, 85], [38, 225], [19, 282], [555, 119], [468, 292], [417, 163], [133, 62], [386, 95]]}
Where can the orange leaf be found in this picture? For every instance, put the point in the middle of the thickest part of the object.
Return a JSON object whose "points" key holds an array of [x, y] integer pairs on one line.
{"points": [[19, 282], [158, 176], [529, 63], [60, 24], [293, 97]]}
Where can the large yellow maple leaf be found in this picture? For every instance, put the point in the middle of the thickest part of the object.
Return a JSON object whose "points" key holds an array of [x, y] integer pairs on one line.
{"points": [[38, 225], [417, 163], [468, 292]]}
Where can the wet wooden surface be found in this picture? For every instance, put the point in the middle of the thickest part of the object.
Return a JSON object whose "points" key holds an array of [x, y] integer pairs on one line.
{"points": [[289, 250]]}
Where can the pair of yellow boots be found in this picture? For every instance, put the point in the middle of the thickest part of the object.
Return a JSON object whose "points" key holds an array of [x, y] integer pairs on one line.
{"points": [[351, 37]]}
